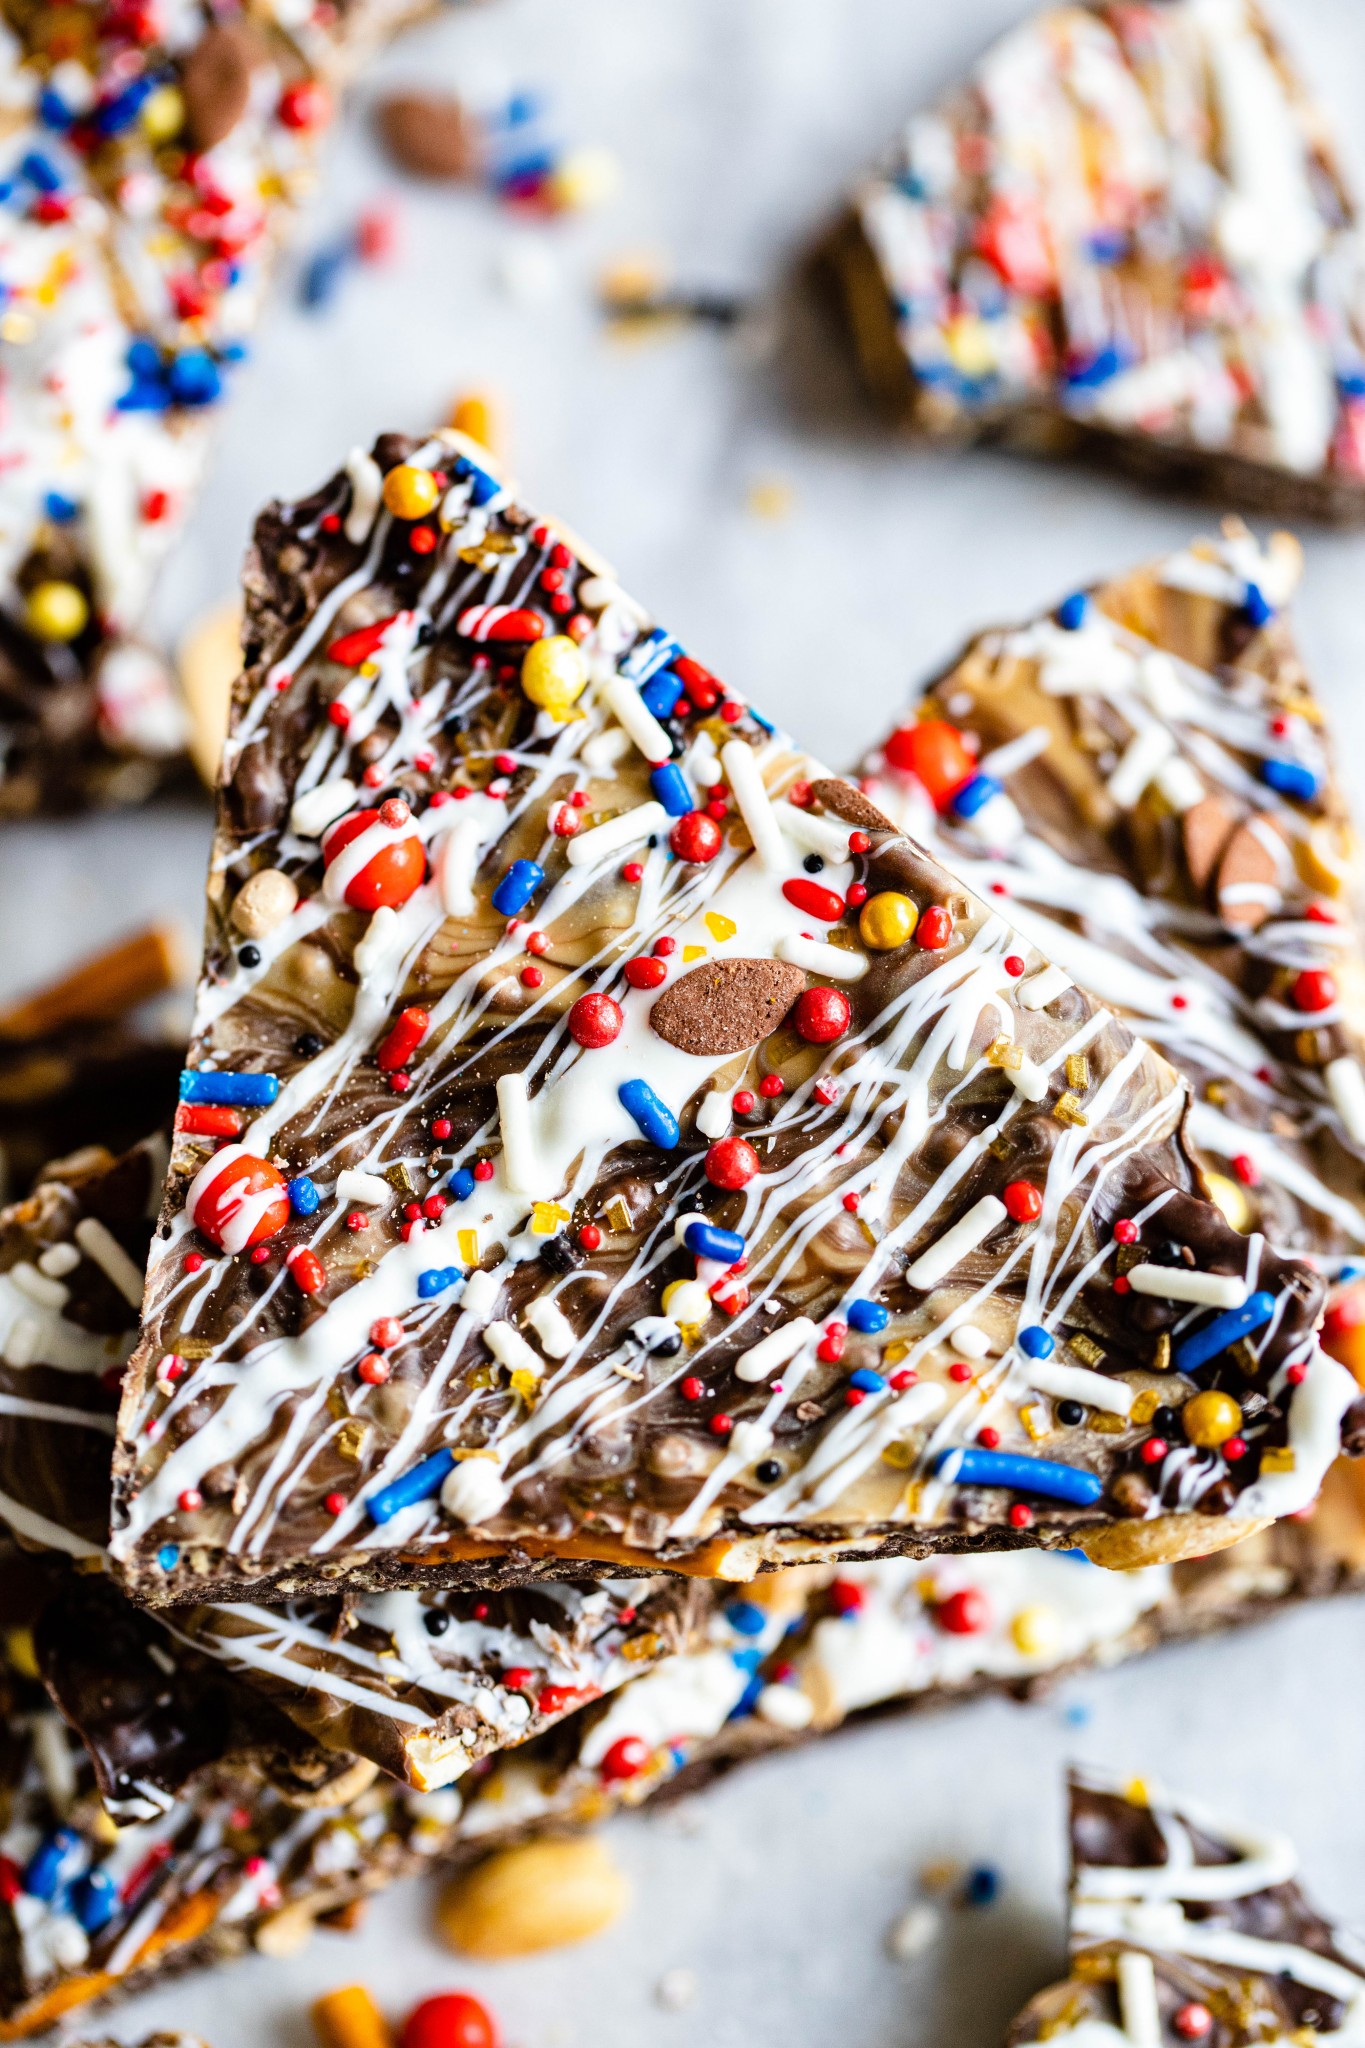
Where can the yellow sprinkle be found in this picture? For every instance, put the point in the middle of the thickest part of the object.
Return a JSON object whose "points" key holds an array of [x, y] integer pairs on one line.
{"points": [[618, 1214], [637, 1649], [1067, 1110], [163, 114], [1161, 1357], [350, 1439], [694, 952], [547, 1218], [1085, 1348], [1137, 1792], [913, 1497], [894, 1353], [20, 1653], [1034, 1417], [526, 1387], [770, 497], [467, 1247], [1077, 1070], [1144, 1406], [18, 327], [1036, 1631], [899, 1455], [1003, 1052], [720, 928], [1278, 1458]]}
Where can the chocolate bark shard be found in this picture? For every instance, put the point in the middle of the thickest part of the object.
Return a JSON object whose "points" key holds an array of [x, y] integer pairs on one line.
{"points": [[462, 1355], [1242, 1956], [1096, 866], [1125, 230]]}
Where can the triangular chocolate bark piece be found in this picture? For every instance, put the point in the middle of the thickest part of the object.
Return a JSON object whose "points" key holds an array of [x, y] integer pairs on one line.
{"points": [[1187, 1928], [1126, 228], [599, 1152]]}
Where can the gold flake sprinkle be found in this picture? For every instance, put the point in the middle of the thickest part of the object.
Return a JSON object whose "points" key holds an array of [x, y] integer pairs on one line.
{"points": [[1077, 1071], [1003, 1052], [399, 1176], [1067, 1110], [1161, 1357], [1127, 1256], [1106, 1425], [1036, 1420], [894, 1353], [526, 1386], [1277, 1458], [1085, 1348], [1144, 1406], [637, 1649], [1244, 1358], [350, 1439], [336, 1405], [913, 1497], [618, 1214], [547, 1218], [898, 1455], [194, 1347], [1216, 1092]]}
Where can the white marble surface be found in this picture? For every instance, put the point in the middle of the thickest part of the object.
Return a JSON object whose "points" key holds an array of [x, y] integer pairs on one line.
{"points": [[737, 122]]}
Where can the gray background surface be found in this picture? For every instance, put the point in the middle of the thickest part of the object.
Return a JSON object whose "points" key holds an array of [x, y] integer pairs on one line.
{"points": [[736, 124]]}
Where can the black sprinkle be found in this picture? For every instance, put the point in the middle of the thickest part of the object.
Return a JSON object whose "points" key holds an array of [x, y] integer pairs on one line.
{"points": [[1071, 1413], [250, 956], [768, 1473], [436, 1621], [308, 1046], [814, 864]]}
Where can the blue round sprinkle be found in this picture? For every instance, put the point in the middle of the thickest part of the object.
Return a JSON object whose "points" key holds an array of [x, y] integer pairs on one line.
{"points": [[745, 1618], [654, 1119], [975, 795], [868, 1316], [1072, 610], [94, 1900], [168, 1556], [1036, 1342], [866, 1381], [659, 695], [517, 887], [53, 111], [304, 1198], [1290, 778], [435, 1281], [59, 509], [982, 1885], [1351, 383], [669, 785], [193, 378], [706, 1241], [462, 1184], [1257, 605]]}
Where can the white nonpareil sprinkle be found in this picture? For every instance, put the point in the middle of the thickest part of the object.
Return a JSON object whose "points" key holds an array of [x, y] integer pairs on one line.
{"points": [[676, 1989], [836, 963], [937, 1260], [1177, 1283], [318, 808], [100, 1244]]}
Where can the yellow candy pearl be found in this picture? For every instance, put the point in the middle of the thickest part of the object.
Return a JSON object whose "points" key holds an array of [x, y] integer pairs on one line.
{"points": [[887, 921], [1210, 1419], [409, 492], [163, 114], [687, 1301], [57, 611], [1036, 1631], [554, 674], [1231, 1199]]}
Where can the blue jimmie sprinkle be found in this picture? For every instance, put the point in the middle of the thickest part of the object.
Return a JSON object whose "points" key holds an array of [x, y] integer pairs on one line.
{"points": [[1036, 1342], [661, 693], [745, 1618], [60, 509], [517, 887], [53, 111], [1072, 610], [1257, 605], [649, 656], [1290, 778], [867, 1381], [748, 1699], [1202, 1345], [230, 1091], [981, 1887], [1028, 1475], [168, 1556], [94, 1900], [51, 1864], [669, 785], [40, 172], [462, 1184], [193, 378], [975, 795], [435, 1281], [868, 1317], [1095, 370], [421, 1483], [707, 1241], [323, 272], [655, 1119], [304, 1198], [483, 487]]}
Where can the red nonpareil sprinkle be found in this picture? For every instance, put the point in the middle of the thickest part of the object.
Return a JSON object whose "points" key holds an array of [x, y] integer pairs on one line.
{"points": [[645, 972], [439, 797], [259, 1254], [386, 1332], [664, 948], [335, 1504], [999, 889], [590, 1237], [858, 842], [852, 1203], [799, 796], [435, 1207], [1021, 1516], [1314, 989], [964, 1613], [1122, 1285], [732, 713], [414, 1227], [831, 1346], [517, 1677], [934, 929], [1125, 1231], [565, 822], [190, 1501], [193, 1261], [1154, 1450], [330, 522], [483, 1169], [627, 1757], [1179, 1002], [306, 1269], [440, 1127], [717, 808], [1023, 1202], [339, 714], [846, 1596], [856, 895], [506, 764], [771, 1086], [1014, 965], [422, 540], [412, 1210], [904, 1377], [537, 943], [1246, 1170], [357, 1220], [531, 977], [1318, 913], [480, 1610], [1193, 2021], [960, 1371], [721, 1425], [692, 1388], [633, 871], [853, 1396], [400, 1083], [742, 1102], [826, 1092], [374, 1368], [1296, 1374], [1234, 1448], [424, 762], [988, 1438]]}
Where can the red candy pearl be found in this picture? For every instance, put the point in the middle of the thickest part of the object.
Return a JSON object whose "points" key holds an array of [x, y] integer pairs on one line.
{"points": [[1125, 1231], [385, 1333], [1021, 1517], [988, 1438], [696, 837], [305, 105], [441, 1127], [590, 1237], [1023, 1203], [626, 1758], [965, 1613], [1014, 965], [1193, 2021], [692, 1388], [822, 1015], [934, 929], [645, 972], [731, 1163], [633, 871], [374, 1368], [1154, 1450], [453, 2020], [742, 1102], [190, 1501], [771, 1086], [721, 1425], [483, 1169], [335, 1503], [595, 1020], [1314, 989]]}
